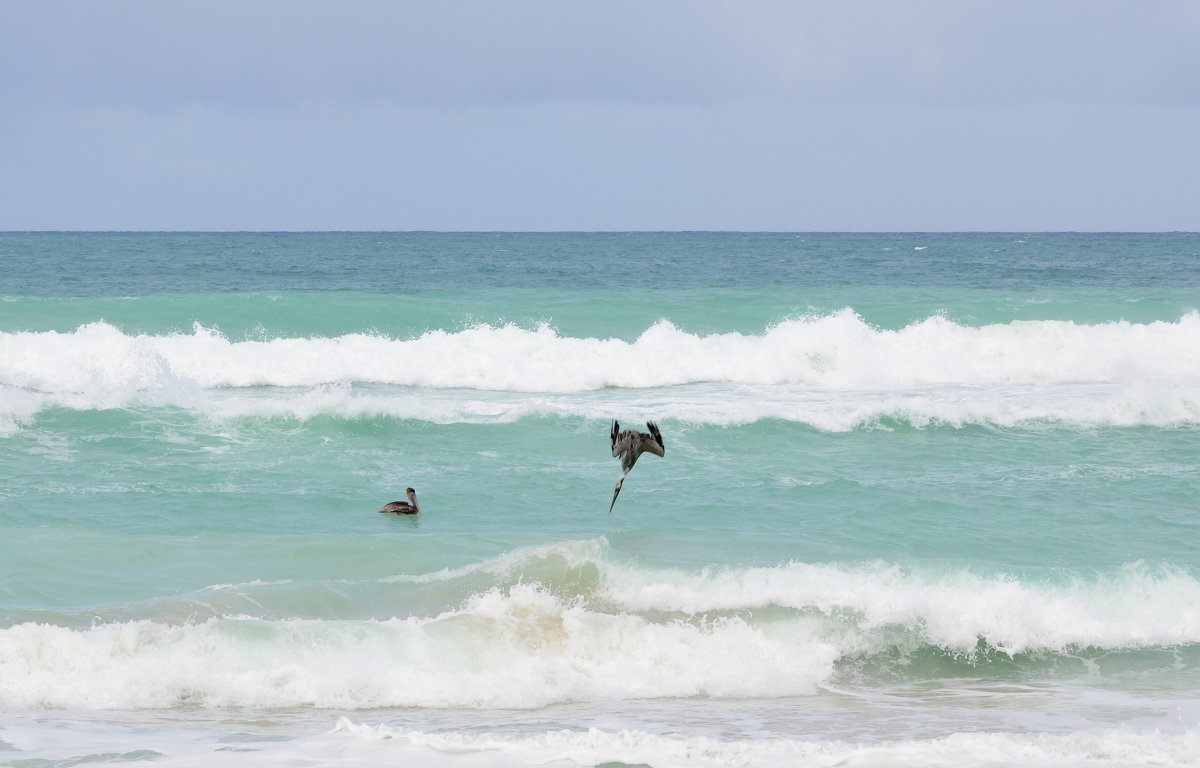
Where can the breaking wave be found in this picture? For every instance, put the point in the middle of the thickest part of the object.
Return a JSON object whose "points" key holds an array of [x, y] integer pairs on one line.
{"points": [[570, 623], [833, 372]]}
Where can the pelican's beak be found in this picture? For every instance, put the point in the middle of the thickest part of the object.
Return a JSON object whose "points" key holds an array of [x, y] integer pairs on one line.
{"points": [[615, 492]]}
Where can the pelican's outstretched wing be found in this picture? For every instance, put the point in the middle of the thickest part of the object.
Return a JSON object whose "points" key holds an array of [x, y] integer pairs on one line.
{"points": [[654, 445]]}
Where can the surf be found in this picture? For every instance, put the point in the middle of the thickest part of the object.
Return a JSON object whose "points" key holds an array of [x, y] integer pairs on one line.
{"points": [[834, 372], [572, 622]]}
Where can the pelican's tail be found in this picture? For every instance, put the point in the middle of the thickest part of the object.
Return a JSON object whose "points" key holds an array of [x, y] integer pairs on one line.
{"points": [[615, 492]]}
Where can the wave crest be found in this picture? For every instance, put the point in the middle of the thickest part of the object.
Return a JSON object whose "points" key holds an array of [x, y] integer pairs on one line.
{"points": [[833, 371], [571, 623]]}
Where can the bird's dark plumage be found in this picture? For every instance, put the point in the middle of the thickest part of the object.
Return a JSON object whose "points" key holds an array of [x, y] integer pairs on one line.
{"points": [[409, 507], [629, 445]]}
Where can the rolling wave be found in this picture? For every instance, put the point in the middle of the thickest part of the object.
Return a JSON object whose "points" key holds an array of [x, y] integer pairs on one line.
{"points": [[833, 372], [544, 634]]}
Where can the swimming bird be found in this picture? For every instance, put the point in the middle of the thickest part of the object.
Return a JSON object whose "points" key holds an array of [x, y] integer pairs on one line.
{"points": [[409, 507], [629, 445]]}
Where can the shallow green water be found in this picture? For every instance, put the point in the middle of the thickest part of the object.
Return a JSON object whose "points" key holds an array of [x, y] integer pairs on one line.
{"points": [[925, 468]]}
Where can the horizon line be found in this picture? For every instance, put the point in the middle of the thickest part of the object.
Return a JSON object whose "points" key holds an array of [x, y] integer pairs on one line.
{"points": [[597, 232]]}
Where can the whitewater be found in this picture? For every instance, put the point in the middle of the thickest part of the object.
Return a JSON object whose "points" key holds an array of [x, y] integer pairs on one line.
{"points": [[833, 372], [927, 499]]}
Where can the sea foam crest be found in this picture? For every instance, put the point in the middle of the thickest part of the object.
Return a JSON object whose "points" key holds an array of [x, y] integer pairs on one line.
{"points": [[351, 742], [833, 371], [837, 350], [628, 632], [1135, 606], [594, 746], [519, 648]]}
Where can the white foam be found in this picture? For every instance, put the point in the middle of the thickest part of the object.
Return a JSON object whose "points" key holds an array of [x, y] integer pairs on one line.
{"points": [[837, 350], [518, 648], [836, 365], [833, 371], [625, 633], [351, 742], [1099, 747], [1138, 606]]}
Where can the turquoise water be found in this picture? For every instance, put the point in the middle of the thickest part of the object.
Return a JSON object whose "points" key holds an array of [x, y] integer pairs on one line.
{"points": [[926, 497]]}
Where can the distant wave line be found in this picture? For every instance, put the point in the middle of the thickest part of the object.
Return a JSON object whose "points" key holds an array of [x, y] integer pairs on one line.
{"points": [[835, 351]]}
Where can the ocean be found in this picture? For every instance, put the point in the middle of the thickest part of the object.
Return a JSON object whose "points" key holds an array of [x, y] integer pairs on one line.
{"points": [[926, 499]]}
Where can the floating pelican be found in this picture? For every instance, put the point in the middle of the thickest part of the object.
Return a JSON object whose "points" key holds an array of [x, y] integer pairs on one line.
{"points": [[629, 445], [403, 507]]}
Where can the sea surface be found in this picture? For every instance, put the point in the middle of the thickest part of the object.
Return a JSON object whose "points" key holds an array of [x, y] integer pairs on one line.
{"points": [[927, 499]]}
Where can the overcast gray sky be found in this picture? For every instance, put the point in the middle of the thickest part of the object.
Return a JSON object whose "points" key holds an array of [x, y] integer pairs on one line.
{"points": [[557, 115]]}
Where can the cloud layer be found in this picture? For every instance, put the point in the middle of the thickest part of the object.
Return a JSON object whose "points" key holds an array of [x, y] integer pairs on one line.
{"points": [[549, 115]]}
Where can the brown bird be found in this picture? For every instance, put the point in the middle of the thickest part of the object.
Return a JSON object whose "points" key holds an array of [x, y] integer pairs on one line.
{"points": [[629, 445], [409, 507]]}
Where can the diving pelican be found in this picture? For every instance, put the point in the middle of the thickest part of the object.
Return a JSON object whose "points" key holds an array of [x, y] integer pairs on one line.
{"points": [[629, 445], [403, 507]]}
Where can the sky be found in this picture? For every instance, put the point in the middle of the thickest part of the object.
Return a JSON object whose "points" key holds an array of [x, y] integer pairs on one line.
{"points": [[534, 115]]}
